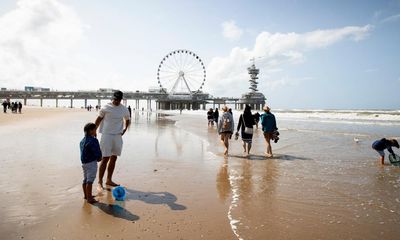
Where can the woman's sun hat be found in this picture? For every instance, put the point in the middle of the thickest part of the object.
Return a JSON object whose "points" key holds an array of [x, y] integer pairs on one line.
{"points": [[225, 108]]}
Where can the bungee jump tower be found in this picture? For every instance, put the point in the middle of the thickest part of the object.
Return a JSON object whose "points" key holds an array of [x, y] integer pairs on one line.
{"points": [[254, 98]]}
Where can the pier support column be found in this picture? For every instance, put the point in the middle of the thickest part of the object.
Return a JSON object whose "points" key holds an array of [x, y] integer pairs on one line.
{"points": [[98, 102], [85, 103], [56, 102], [137, 104], [41, 102], [25, 101], [72, 103]]}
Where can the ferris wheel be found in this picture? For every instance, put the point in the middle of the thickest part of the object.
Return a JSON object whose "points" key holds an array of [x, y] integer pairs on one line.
{"points": [[181, 72]]}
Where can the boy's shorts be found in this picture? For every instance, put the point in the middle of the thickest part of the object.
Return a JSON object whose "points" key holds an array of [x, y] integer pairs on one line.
{"points": [[111, 145], [381, 152], [89, 172]]}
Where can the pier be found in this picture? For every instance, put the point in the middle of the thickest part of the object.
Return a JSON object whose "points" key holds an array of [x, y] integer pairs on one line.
{"points": [[163, 101]]}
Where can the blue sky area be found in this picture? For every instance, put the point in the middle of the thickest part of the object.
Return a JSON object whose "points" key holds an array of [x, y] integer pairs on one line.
{"points": [[90, 44]]}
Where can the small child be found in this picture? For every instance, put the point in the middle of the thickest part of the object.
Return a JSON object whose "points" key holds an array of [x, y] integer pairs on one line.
{"points": [[90, 155], [381, 145]]}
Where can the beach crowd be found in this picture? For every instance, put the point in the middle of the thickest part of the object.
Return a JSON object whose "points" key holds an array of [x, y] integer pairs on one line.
{"points": [[245, 127], [15, 107]]}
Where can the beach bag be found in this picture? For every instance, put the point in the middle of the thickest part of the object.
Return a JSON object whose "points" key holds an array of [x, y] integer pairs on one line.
{"points": [[226, 123], [247, 130], [394, 160]]}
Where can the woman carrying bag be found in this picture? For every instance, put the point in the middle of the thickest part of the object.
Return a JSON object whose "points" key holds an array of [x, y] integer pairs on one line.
{"points": [[246, 123]]}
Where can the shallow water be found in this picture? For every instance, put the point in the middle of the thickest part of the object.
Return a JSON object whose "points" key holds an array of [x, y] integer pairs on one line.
{"points": [[321, 184]]}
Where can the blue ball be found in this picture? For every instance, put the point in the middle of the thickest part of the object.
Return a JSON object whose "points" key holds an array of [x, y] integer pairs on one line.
{"points": [[119, 193]]}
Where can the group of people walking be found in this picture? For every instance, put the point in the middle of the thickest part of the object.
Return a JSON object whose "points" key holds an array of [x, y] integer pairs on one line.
{"points": [[245, 128], [15, 107]]}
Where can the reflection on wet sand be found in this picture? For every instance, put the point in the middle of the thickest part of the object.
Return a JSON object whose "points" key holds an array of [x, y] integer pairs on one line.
{"points": [[250, 187]]}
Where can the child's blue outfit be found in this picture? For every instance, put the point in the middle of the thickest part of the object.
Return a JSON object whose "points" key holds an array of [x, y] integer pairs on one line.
{"points": [[90, 154]]}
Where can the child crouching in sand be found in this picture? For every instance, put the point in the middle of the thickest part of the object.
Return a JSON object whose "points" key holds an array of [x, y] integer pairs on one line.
{"points": [[90, 155]]}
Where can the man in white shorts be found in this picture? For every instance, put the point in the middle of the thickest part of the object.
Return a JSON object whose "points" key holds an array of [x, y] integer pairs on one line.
{"points": [[111, 126]]}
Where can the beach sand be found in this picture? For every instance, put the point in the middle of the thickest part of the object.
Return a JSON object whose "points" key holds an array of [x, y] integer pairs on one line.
{"points": [[320, 184]]}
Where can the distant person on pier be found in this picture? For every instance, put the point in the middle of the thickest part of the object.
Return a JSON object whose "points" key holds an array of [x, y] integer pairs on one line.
{"points": [[5, 105], [210, 117], [20, 107], [226, 127], [216, 116], [256, 118], [246, 123], [381, 145], [112, 127], [14, 107], [230, 111], [268, 123], [130, 111]]}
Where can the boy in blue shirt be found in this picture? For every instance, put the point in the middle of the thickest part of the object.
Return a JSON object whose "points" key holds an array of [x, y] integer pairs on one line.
{"points": [[381, 145], [90, 155]]}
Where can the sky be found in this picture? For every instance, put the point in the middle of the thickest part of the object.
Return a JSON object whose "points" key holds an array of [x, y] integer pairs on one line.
{"points": [[311, 54]]}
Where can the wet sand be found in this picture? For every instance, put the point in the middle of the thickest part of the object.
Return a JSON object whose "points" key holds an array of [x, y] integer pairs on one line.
{"points": [[179, 185]]}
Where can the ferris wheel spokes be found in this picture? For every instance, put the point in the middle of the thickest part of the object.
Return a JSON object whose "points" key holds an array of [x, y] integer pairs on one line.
{"points": [[181, 72]]}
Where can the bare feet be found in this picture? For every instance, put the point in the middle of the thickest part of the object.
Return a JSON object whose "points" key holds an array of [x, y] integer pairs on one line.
{"points": [[226, 152], [268, 155], [100, 187], [112, 184], [92, 200]]}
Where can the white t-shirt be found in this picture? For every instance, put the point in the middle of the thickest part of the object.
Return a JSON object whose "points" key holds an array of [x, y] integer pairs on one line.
{"points": [[113, 118]]}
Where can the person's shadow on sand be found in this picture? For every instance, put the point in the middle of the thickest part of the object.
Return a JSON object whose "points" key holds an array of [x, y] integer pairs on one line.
{"points": [[116, 211], [166, 198]]}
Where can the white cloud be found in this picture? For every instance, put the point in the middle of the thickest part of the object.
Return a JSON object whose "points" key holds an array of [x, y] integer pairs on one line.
{"points": [[392, 18], [277, 50], [40, 45], [231, 31]]}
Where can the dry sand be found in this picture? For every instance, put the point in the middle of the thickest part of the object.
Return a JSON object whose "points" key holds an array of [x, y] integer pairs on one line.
{"points": [[179, 186]]}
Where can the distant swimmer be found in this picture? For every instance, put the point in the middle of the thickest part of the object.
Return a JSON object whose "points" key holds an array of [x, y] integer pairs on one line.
{"points": [[111, 126], [226, 127], [268, 123], [381, 145]]}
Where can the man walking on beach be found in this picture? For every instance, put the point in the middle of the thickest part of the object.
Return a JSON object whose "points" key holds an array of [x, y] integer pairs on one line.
{"points": [[111, 122]]}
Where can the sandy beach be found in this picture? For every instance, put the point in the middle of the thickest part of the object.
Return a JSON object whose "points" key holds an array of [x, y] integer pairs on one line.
{"points": [[320, 184]]}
